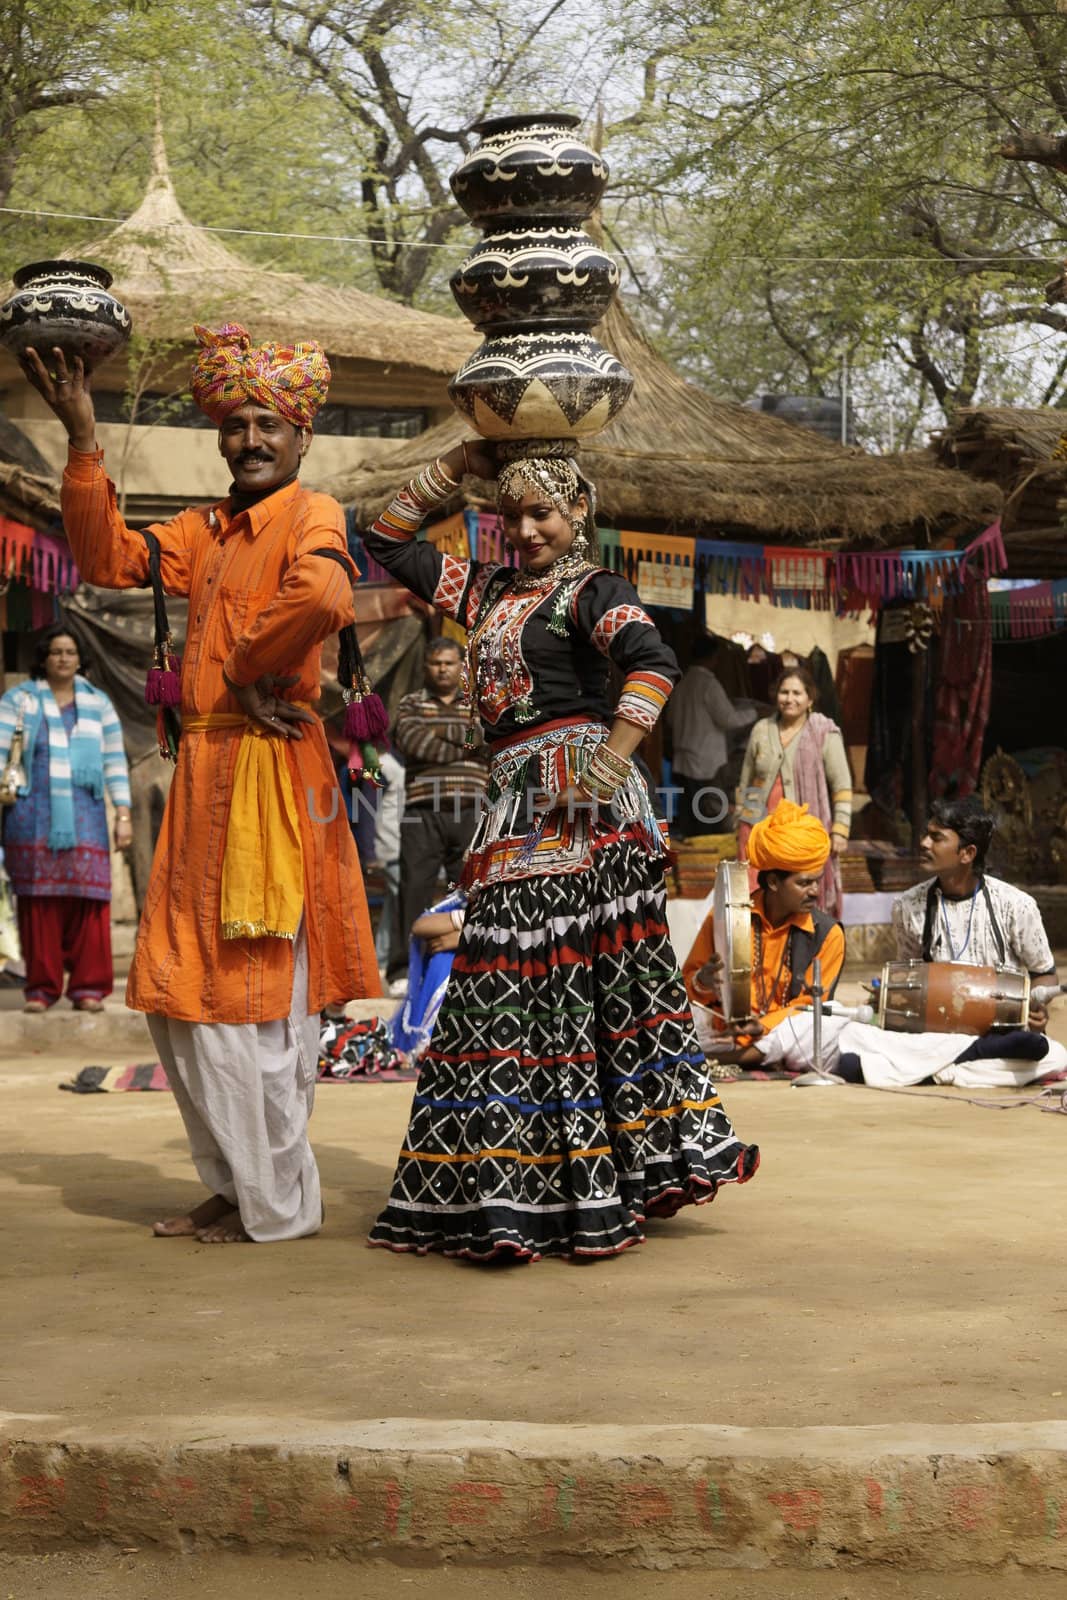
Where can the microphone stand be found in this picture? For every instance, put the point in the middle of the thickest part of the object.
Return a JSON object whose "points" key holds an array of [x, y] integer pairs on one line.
{"points": [[817, 1077]]}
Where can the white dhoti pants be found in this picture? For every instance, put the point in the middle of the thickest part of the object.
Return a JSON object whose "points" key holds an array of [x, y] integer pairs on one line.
{"points": [[896, 1060], [245, 1092]]}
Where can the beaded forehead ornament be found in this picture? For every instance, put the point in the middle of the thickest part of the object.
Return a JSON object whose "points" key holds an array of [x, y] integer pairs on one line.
{"points": [[555, 478]]}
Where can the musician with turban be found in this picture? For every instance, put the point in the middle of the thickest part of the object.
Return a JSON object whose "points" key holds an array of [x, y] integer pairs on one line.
{"points": [[255, 917], [789, 850]]}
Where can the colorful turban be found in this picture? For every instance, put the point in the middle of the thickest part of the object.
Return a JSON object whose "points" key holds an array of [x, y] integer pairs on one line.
{"points": [[789, 840], [291, 379]]}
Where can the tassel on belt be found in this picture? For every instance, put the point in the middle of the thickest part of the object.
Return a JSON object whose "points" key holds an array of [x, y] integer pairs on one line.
{"points": [[263, 858]]}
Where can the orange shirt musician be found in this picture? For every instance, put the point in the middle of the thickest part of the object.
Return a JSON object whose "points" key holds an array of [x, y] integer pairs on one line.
{"points": [[789, 850], [255, 916]]}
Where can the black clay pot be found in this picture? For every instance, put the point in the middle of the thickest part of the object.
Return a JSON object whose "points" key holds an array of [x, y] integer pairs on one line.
{"points": [[540, 385], [64, 303], [528, 169], [531, 278]]}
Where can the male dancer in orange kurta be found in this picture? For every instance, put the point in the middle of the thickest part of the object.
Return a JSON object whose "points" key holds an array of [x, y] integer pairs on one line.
{"points": [[255, 916]]}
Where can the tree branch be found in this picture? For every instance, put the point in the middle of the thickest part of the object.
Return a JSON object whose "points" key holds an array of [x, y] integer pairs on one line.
{"points": [[1040, 147]]}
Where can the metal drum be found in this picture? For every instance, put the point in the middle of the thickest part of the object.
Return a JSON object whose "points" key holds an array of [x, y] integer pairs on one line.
{"points": [[731, 920], [942, 997]]}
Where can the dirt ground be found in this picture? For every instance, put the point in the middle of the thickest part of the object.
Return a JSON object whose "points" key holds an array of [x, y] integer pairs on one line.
{"points": [[897, 1259], [133, 1576]]}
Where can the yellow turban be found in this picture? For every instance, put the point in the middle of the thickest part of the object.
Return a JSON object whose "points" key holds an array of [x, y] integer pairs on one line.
{"points": [[291, 379], [789, 840]]}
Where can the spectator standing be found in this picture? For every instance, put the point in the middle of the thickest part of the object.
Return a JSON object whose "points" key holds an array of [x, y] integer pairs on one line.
{"points": [[701, 716], [387, 856], [55, 834], [799, 755], [445, 785]]}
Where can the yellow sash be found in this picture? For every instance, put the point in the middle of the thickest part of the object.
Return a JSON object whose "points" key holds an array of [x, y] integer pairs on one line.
{"points": [[263, 859]]}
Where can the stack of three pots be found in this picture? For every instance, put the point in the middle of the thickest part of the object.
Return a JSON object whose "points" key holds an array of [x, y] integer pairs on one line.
{"points": [[535, 287]]}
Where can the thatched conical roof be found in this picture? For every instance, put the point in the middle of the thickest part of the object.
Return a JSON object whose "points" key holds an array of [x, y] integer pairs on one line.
{"points": [[28, 497], [1012, 448], [677, 458], [171, 273]]}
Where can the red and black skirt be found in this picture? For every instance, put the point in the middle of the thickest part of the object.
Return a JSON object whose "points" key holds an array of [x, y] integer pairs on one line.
{"points": [[564, 1097]]}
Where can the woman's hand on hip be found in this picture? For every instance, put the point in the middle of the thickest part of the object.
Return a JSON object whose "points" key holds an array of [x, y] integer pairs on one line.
{"points": [[123, 831]]}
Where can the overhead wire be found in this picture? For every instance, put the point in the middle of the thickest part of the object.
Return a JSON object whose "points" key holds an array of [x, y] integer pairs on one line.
{"points": [[417, 244]]}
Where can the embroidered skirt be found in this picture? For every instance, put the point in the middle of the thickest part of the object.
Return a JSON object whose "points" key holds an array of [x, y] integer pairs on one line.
{"points": [[563, 1098]]}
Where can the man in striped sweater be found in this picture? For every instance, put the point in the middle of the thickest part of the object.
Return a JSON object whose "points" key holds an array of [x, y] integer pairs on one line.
{"points": [[445, 784]]}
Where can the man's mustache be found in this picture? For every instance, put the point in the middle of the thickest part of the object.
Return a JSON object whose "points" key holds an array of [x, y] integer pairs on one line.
{"points": [[248, 456]]}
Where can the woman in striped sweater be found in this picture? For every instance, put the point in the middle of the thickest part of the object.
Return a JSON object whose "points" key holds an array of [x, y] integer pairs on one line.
{"points": [[55, 839]]}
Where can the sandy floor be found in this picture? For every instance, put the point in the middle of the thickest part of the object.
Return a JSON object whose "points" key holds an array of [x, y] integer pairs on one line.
{"points": [[135, 1576], [897, 1259]]}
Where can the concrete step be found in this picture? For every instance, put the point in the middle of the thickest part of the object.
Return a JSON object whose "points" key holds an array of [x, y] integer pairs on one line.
{"points": [[913, 1498]]}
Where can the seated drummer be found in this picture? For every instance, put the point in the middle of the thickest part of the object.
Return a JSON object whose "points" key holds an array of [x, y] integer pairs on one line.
{"points": [[963, 915], [789, 850]]}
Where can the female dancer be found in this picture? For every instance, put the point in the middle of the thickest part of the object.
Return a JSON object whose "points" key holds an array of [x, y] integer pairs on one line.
{"points": [[563, 1098]]}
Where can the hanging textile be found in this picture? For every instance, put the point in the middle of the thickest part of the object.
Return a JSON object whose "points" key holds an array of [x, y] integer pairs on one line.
{"points": [[1030, 611], [802, 578], [986, 552], [964, 677], [869, 580], [52, 565], [451, 536], [725, 567], [610, 548], [16, 548]]}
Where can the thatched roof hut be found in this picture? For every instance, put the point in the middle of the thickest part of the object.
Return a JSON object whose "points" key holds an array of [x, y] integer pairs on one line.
{"points": [[1012, 448], [171, 273], [27, 497], [28, 492], [678, 459]]}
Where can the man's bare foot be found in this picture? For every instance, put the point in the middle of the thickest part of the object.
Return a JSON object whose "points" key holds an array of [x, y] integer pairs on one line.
{"points": [[201, 1216], [35, 1007], [88, 1003], [228, 1231]]}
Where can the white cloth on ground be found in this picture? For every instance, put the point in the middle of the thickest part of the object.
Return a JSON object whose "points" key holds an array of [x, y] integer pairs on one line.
{"points": [[895, 1060], [245, 1092]]}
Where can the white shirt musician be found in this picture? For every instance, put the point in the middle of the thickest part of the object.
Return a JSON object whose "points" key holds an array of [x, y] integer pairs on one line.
{"points": [[964, 916]]}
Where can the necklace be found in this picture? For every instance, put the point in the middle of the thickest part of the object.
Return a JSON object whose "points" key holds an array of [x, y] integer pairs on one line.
{"points": [[565, 566], [764, 998], [957, 955]]}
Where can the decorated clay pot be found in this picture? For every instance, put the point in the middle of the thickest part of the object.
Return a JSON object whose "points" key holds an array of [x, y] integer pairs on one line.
{"points": [[540, 385], [528, 278], [64, 303], [528, 169]]}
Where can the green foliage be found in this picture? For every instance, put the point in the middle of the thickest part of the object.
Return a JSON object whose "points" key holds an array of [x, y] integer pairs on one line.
{"points": [[797, 184], [837, 191]]}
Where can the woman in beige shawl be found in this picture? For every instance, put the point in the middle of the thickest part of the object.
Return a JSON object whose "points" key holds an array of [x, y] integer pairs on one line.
{"points": [[799, 754]]}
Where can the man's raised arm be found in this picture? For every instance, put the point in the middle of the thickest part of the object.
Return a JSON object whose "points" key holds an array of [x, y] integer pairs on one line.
{"points": [[108, 553]]}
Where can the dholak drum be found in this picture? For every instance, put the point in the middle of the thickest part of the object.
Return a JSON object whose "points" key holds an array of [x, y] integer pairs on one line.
{"points": [[941, 997], [731, 920]]}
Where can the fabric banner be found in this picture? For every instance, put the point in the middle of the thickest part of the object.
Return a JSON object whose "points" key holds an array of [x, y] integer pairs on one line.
{"points": [[660, 584]]}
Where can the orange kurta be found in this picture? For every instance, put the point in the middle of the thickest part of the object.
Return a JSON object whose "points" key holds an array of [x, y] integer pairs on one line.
{"points": [[771, 980], [258, 602]]}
